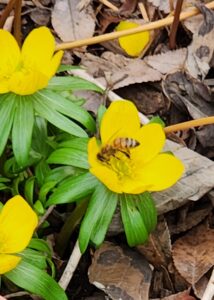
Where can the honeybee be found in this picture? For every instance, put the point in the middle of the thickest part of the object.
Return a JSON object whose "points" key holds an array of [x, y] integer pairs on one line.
{"points": [[118, 145]]}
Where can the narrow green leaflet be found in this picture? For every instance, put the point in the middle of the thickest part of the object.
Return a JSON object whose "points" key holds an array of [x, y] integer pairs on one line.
{"points": [[135, 229], [48, 112], [22, 129], [67, 107], [72, 83], [69, 156], [71, 152], [29, 189], [40, 245], [157, 120], [60, 173], [98, 217], [36, 281], [7, 110], [147, 209], [73, 188], [34, 257]]}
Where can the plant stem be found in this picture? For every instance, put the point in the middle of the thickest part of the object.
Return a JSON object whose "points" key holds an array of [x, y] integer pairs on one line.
{"points": [[174, 28], [114, 35], [6, 12], [17, 22], [189, 124]]}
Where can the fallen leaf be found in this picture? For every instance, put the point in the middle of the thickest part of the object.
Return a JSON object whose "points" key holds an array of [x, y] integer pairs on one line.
{"points": [[121, 273], [193, 253], [167, 62], [128, 7], [158, 248], [70, 23], [41, 16], [193, 97], [121, 71], [201, 50], [179, 296]]}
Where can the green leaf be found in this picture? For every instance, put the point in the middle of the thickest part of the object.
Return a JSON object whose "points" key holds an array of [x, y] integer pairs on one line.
{"points": [[100, 113], [72, 83], [40, 137], [67, 108], [7, 110], [34, 257], [135, 229], [157, 120], [49, 113], [29, 189], [36, 281], [73, 152], [45, 189], [22, 129], [60, 173], [73, 188], [41, 171], [147, 209], [69, 156], [63, 68], [98, 217], [40, 245]]}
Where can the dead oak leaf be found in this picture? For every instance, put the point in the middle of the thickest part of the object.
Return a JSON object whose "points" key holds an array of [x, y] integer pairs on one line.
{"points": [[69, 21], [193, 253]]}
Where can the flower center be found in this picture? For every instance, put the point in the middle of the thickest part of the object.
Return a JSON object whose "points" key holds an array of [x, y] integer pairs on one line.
{"points": [[122, 164]]}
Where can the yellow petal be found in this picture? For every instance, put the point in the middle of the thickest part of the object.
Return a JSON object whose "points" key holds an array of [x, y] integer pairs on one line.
{"points": [[54, 64], [120, 120], [160, 173], [17, 224], [9, 54], [27, 82], [133, 44], [105, 174], [38, 48], [4, 86], [152, 139], [8, 262]]}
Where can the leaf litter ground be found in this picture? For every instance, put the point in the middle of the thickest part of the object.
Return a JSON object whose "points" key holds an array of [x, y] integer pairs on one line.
{"points": [[176, 84]]}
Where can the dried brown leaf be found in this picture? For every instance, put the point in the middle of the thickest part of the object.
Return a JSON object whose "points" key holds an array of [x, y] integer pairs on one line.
{"points": [[70, 23], [167, 62], [193, 254], [121, 273], [201, 50]]}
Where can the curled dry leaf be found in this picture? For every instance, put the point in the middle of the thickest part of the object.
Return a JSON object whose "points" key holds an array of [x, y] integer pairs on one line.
{"points": [[193, 254], [69, 21], [193, 97], [201, 50], [158, 248], [121, 273]]}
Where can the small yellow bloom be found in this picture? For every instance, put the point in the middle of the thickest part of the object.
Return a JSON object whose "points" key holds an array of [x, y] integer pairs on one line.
{"points": [[28, 70], [17, 224], [137, 169], [133, 44]]}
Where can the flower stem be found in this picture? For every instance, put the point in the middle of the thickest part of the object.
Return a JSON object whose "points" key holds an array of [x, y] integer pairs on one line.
{"points": [[189, 124], [114, 35], [17, 22], [174, 28], [6, 12]]}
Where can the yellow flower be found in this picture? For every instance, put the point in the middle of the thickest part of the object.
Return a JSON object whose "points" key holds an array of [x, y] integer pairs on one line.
{"points": [[137, 169], [17, 223], [27, 70], [133, 44]]}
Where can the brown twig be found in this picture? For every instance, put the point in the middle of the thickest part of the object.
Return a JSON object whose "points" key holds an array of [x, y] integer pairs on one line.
{"points": [[17, 22], [114, 35], [143, 11], [174, 28], [189, 124], [6, 12]]}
